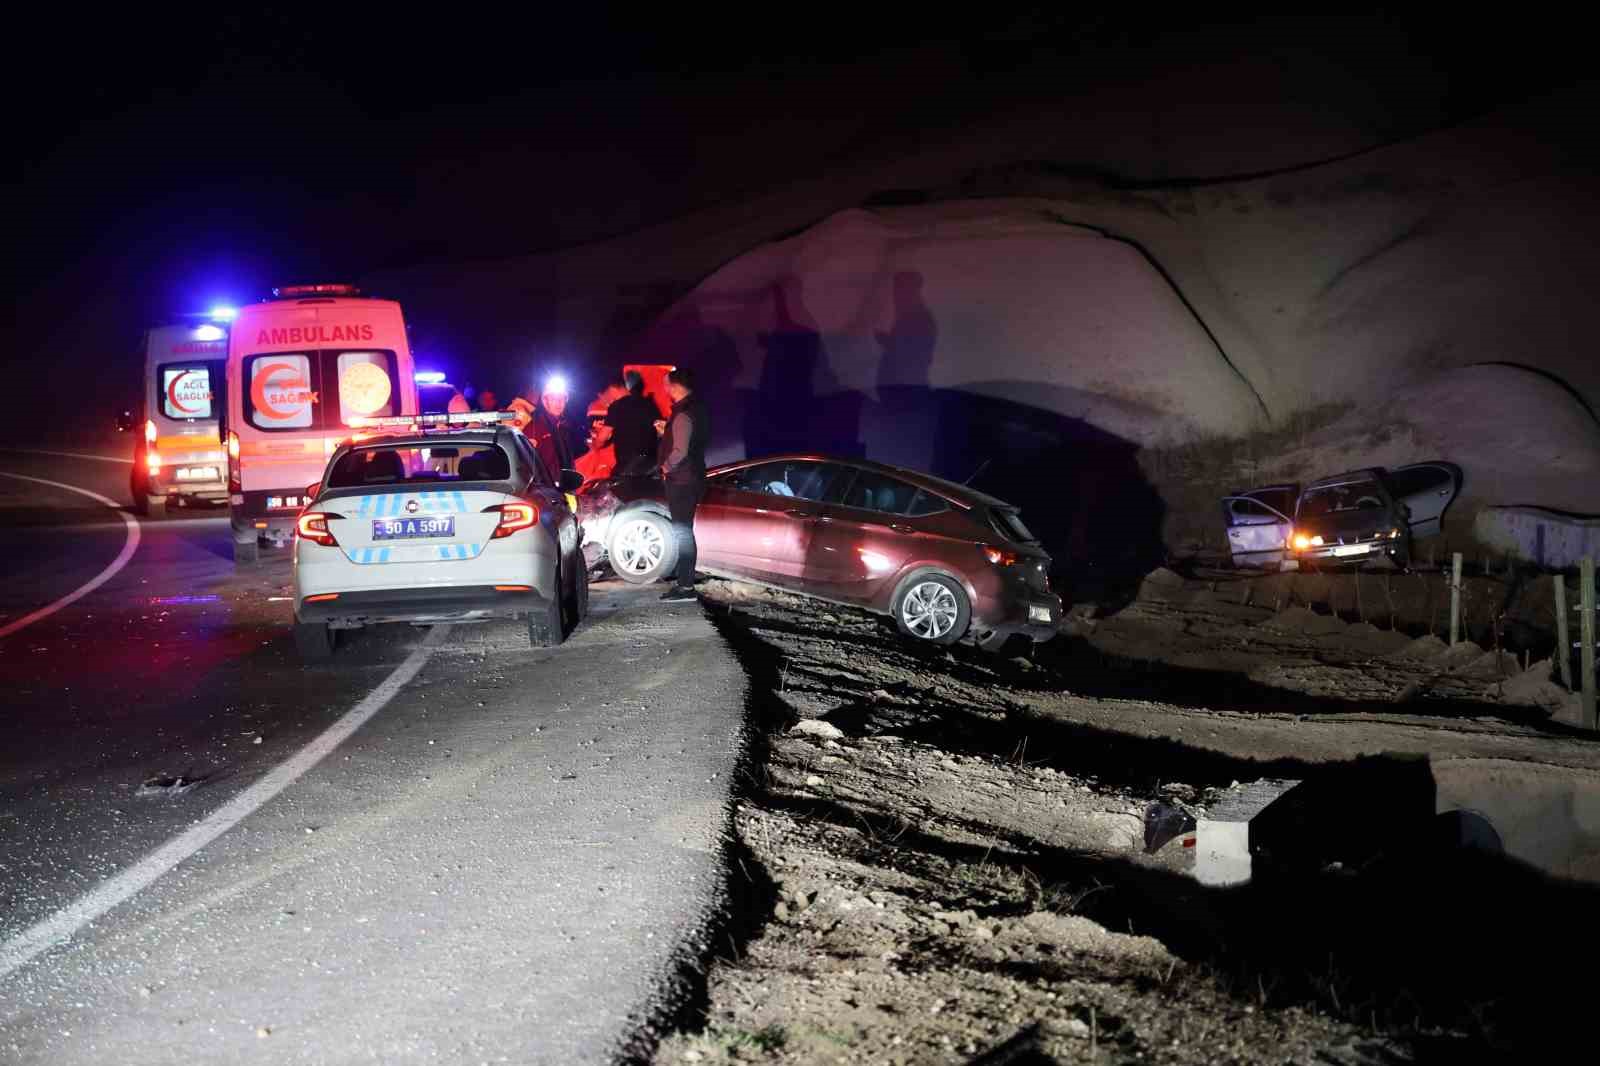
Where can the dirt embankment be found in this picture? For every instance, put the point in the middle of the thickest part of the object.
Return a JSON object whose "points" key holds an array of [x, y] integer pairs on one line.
{"points": [[942, 858]]}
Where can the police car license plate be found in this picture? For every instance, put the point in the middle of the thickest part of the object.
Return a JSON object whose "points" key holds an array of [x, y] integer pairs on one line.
{"points": [[1352, 549], [409, 528], [197, 473], [1038, 614]]}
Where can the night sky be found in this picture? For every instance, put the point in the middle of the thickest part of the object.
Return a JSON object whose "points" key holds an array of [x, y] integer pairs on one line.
{"points": [[171, 161]]}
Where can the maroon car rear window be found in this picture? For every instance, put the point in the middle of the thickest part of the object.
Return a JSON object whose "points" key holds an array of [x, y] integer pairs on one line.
{"points": [[1009, 525]]}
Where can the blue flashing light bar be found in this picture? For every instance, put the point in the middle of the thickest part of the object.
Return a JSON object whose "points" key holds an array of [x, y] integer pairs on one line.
{"points": [[209, 333], [224, 313], [429, 377]]}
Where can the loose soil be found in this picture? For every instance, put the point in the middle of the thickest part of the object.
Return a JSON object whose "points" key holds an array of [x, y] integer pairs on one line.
{"points": [[940, 853]]}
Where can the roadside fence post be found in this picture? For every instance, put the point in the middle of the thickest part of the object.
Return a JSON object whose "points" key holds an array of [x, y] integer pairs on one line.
{"points": [[1586, 627], [1563, 631], [1455, 598]]}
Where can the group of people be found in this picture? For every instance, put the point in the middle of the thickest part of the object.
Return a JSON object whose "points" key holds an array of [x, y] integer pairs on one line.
{"points": [[645, 445]]}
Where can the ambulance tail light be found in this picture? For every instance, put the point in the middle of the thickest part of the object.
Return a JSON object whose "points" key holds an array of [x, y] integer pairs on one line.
{"points": [[149, 431], [513, 516], [313, 526], [152, 461], [235, 479]]}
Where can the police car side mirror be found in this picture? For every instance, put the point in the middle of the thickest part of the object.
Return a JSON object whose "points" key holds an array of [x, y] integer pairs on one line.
{"points": [[570, 481]]}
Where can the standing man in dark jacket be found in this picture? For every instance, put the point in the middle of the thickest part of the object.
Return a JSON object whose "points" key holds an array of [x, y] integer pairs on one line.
{"points": [[632, 419], [548, 429], [683, 464]]}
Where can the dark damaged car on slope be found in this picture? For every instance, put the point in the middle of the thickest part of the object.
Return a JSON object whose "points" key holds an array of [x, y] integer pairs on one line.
{"points": [[944, 561], [1346, 519]]}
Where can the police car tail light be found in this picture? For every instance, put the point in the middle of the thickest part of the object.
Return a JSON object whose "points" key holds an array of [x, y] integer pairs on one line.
{"points": [[152, 461], [514, 516], [313, 526], [150, 431]]}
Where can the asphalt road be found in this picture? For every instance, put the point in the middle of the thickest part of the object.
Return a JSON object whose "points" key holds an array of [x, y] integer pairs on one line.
{"points": [[511, 859]]}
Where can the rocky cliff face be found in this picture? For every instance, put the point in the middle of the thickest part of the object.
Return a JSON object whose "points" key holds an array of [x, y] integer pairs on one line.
{"points": [[1049, 327]]}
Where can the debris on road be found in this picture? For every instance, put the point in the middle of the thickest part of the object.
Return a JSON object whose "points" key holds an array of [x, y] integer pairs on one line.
{"points": [[166, 785]]}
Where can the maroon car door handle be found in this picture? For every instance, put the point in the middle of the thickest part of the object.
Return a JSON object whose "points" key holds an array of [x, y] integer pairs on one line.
{"points": [[797, 513], [902, 529]]}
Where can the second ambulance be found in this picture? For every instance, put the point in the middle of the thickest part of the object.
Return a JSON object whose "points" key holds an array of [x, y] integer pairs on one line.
{"points": [[301, 368], [176, 456]]}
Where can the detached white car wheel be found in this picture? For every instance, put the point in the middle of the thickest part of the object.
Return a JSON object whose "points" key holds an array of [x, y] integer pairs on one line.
{"points": [[643, 548], [933, 608]]}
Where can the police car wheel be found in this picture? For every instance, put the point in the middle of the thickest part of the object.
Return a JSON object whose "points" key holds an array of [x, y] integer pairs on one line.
{"points": [[580, 595], [643, 548], [545, 629], [314, 640], [246, 552]]}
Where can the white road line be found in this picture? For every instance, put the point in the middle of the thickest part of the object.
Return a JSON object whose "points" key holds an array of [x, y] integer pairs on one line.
{"points": [[71, 455], [129, 546], [63, 924]]}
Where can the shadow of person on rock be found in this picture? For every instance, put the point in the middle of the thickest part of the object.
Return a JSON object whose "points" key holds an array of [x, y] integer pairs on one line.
{"points": [[799, 405], [908, 345]]}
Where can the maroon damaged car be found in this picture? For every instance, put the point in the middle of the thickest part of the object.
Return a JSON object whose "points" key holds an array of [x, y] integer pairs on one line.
{"points": [[944, 561]]}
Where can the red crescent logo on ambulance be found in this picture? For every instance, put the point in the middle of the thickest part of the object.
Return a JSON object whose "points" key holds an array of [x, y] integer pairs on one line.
{"points": [[172, 392], [258, 391]]}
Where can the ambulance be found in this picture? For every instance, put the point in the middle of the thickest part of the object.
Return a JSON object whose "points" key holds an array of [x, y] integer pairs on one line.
{"points": [[177, 456], [302, 368]]}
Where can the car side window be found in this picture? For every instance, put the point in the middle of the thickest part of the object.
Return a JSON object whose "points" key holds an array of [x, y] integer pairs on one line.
{"points": [[799, 479], [760, 478], [1252, 509], [1417, 479], [531, 461], [876, 492], [926, 503], [816, 481]]}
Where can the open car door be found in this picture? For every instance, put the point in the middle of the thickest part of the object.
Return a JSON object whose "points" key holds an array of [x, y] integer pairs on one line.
{"points": [[1259, 523], [1424, 490]]}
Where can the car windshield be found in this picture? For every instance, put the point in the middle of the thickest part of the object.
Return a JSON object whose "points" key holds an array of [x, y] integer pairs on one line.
{"points": [[416, 464], [1348, 496]]}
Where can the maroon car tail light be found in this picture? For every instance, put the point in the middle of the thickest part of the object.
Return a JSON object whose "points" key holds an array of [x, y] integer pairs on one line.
{"points": [[998, 556]]}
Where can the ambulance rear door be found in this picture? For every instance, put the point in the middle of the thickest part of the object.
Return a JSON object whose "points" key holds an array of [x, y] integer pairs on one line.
{"points": [[182, 390]]}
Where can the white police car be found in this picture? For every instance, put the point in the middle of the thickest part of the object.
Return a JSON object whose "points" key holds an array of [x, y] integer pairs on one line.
{"points": [[437, 519]]}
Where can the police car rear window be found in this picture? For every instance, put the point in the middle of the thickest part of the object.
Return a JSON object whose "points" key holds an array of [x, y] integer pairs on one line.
{"points": [[419, 465]]}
